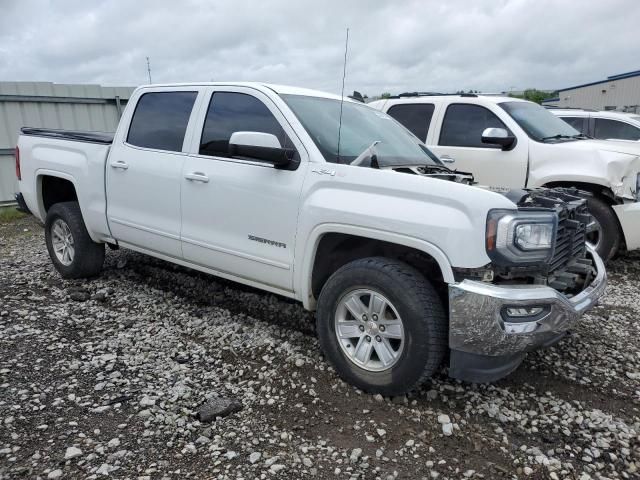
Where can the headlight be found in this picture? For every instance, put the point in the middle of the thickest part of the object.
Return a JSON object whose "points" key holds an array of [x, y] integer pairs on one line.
{"points": [[518, 237], [534, 236]]}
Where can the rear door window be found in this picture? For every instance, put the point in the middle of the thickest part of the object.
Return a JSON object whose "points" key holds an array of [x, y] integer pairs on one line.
{"points": [[463, 125], [160, 120], [415, 117], [605, 128]]}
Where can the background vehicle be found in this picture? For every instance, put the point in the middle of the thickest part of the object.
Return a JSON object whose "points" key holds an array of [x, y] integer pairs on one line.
{"points": [[402, 259], [605, 125], [510, 143]]}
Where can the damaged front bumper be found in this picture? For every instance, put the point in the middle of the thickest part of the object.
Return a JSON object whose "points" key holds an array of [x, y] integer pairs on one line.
{"points": [[629, 217], [491, 327]]}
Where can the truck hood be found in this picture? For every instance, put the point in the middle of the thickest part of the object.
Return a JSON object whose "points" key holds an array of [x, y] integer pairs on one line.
{"points": [[611, 164]]}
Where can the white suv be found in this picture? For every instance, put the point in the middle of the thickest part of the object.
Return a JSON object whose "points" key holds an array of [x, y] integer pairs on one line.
{"points": [[602, 125], [511, 143]]}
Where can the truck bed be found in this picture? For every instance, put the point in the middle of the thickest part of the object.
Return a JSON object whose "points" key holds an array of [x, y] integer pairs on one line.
{"points": [[104, 138]]}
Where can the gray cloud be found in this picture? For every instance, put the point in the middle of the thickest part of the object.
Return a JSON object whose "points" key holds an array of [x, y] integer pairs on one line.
{"points": [[489, 45]]}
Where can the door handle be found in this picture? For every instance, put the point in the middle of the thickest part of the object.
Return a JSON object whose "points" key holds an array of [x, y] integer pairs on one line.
{"points": [[197, 177], [447, 159], [119, 164]]}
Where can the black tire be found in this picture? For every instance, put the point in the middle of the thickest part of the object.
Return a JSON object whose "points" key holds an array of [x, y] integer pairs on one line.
{"points": [[89, 255], [419, 307], [610, 237]]}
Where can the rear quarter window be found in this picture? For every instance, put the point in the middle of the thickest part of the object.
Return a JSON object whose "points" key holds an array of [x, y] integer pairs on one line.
{"points": [[415, 117], [160, 120]]}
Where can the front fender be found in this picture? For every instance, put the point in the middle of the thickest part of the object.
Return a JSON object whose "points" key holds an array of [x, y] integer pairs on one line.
{"points": [[613, 170], [311, 248]]}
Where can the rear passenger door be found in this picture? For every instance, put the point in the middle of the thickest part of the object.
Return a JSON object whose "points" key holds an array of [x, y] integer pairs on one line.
{"points": [[239, 216], [144, 172], [459, 146]]}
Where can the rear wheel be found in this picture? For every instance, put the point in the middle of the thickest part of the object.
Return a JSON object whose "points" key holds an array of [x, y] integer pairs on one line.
{"points": [[382, 325], [70, 247], [603, 233]]}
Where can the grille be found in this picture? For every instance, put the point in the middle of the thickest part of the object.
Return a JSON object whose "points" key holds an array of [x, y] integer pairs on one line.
{"points": [[573, 217], [571, 237]]}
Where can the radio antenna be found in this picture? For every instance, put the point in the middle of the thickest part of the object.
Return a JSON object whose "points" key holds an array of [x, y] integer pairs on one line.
{"points": [[149, 70], [344, 74]]}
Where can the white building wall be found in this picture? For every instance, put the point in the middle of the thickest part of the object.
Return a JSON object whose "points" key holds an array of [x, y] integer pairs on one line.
{"points": [[50, 105]]}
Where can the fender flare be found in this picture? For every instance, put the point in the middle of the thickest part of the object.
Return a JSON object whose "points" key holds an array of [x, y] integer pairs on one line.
{"points": [[45, 172], [311, 248]]}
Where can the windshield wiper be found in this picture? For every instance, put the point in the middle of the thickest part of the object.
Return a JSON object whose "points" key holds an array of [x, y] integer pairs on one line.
{"points": [[368, 157], [581, 136], [556, 137]]}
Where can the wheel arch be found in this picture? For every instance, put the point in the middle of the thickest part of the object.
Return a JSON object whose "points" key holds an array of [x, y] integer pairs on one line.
{"points": [[596, 189], [599, 191], [332, 246], [54, 187]]}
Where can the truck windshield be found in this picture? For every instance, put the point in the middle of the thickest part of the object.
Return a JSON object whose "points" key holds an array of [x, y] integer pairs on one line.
{"points": [[540, 124], [362, 126]]}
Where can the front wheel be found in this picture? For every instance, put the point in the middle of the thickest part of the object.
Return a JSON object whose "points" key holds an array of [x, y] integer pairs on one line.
{"points": [[603, 233], [382, 325], [70, 247]]}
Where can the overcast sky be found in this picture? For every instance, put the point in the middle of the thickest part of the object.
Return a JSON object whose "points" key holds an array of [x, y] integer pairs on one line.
{"points": [[394, 46]]}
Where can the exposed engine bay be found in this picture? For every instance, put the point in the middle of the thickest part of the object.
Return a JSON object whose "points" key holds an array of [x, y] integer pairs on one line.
{"points": [[437, 171], [369, 159]]}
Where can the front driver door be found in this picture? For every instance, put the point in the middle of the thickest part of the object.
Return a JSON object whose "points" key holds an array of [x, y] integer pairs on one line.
{"points": [[239, 216], [460, 147]]}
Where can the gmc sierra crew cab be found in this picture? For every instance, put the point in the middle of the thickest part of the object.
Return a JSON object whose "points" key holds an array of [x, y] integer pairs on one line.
{"points": [[329, 202], [508, 143]]}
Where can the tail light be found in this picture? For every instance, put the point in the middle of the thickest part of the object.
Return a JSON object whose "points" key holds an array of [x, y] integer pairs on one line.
{"points": [[18, 173]]}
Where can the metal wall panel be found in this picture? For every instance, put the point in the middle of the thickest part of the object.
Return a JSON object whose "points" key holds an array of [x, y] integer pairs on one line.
{"points": [[50, 105], [7, 178], [618, 93]]}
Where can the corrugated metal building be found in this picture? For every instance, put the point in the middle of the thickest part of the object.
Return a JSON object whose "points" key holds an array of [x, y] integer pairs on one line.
{"points": [[50, 105], [617, 92]]}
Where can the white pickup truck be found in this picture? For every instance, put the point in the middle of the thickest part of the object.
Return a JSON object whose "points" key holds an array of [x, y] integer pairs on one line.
{"points": [[259, 184], [510, 143]]}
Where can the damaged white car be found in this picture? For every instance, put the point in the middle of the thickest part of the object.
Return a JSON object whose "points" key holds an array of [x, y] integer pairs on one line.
{"points": [[510, 143]]}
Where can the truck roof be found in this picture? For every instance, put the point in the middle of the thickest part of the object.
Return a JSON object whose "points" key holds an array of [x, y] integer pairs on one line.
{"points": [[279, 89], [468, 97], [579, 112]]}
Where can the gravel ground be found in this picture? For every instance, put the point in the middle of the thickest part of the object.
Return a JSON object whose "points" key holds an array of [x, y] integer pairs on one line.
{"points": [[105, 378]]}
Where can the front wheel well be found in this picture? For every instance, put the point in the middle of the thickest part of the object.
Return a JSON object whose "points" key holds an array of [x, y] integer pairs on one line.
{"points": [[56, 190], [600, 191], [337, 249], [603, 194]]}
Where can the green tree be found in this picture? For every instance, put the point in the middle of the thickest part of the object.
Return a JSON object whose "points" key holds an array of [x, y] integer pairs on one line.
{"points": [[535, 95], [385, 95]]}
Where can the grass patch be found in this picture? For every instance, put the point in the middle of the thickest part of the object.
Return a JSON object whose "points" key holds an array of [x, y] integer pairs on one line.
{"points": [[9, 214]]}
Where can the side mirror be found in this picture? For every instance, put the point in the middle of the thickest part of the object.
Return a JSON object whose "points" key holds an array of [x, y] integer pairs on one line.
{"points": [[498, 136], [263, 147]]}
